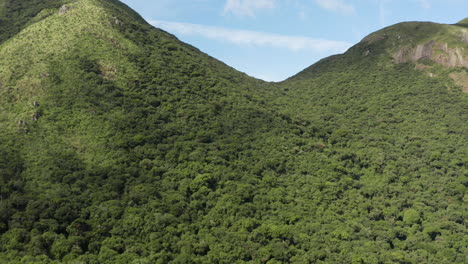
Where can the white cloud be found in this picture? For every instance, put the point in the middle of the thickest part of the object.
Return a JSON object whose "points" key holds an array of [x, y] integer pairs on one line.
{"points": [[336, 5], [247, 7], [253, 38]]}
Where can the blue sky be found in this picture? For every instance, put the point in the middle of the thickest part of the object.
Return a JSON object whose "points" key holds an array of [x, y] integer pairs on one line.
{"points": [[275, 39]]}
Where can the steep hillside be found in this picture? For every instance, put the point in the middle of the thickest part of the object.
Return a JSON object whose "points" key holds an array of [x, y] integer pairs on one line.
{"points": [[398, 129], [121, 144]]}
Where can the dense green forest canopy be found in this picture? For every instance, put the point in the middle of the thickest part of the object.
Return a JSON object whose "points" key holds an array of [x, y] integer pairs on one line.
{"points": [[120, 144]]}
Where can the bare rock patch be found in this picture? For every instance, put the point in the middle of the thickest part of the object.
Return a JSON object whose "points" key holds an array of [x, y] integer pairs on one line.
{"points": [[437, 52], [64, 9]]}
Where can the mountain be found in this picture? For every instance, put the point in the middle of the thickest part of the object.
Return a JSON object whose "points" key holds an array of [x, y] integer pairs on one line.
{"points": [[121, 144], [463, 22]]}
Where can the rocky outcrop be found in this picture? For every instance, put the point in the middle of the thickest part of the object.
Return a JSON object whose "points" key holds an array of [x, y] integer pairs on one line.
{"points": [[437, 52], [36, 116], [64, 9], [403, 55], [450, 57], [464, 36], [423, 51]]}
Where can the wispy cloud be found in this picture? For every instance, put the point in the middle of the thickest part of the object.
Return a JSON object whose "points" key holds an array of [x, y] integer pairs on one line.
{"points": [[382, 14], [247, 7], [336, 5], [253, 38]]}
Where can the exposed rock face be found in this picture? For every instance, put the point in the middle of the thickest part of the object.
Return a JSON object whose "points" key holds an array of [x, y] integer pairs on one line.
{"points": [[439, 53], [450, 57], [403, 55], [423, 51], [465, 36]]}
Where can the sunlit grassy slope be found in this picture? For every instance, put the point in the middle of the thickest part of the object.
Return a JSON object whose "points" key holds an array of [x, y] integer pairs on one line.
{"points": [[120, 144]]}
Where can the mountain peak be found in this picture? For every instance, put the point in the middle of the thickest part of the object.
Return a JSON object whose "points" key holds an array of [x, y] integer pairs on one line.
{"points": [[413, 41], [407, 42], [17, 15]]}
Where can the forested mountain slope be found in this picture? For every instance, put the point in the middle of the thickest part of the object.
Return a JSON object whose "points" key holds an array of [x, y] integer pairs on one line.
{"points": [[16, 15], [120, 144]]}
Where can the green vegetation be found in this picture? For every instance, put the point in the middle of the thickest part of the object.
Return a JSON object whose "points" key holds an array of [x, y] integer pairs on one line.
{"points": [[16, 15], [120, 144], [463, 22]]}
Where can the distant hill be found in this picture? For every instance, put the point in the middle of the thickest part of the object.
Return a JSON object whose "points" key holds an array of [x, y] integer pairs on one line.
{"points": [[121, 144], [463, 22]]}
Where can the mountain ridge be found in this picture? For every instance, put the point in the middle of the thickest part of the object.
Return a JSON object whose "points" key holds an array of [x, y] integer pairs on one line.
{"points": [[413, 41]]}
